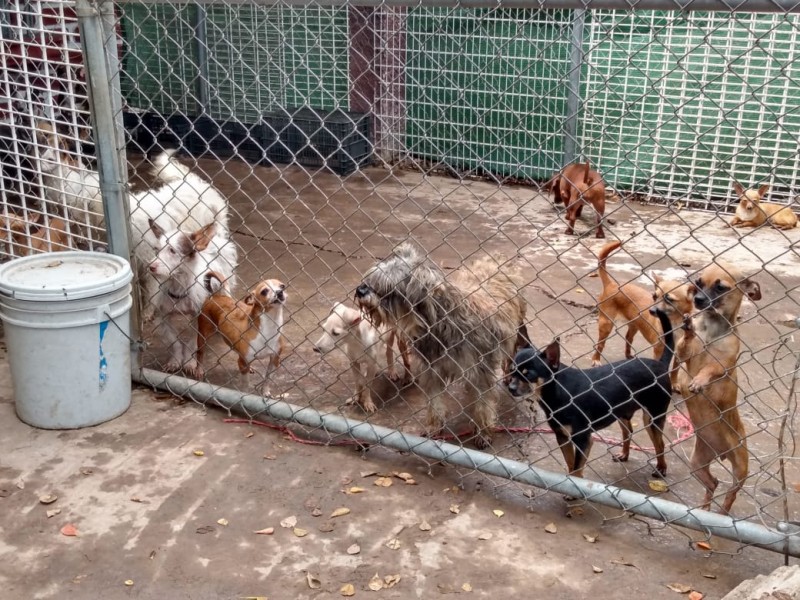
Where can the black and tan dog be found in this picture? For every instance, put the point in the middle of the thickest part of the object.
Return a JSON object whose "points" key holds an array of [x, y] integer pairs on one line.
{"points": [[578, 402], [707, 357]]}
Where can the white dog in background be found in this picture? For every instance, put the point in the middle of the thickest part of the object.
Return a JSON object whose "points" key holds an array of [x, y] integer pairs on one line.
{"points": [[363, 344]]}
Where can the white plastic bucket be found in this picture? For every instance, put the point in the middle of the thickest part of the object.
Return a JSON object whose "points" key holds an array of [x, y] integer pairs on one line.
{"points": [[67, 322]]}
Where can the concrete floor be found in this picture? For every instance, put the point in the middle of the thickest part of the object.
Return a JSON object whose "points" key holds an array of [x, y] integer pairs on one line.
{"points": [[147, 509]]}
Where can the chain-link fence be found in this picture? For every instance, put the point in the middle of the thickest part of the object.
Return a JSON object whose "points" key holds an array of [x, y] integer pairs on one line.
{"points": [[361, 222]]}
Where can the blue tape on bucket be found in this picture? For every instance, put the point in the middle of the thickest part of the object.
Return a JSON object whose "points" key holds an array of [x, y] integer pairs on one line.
{"points": [[103, 361]]}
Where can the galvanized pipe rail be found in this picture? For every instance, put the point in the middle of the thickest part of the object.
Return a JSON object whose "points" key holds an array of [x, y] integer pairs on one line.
{"points": [[785, 541]]}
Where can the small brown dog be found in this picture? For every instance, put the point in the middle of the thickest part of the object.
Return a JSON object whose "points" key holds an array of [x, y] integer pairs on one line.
{"points": [[28, 236], [751, 212], [632, 304], [587, 188], [251, 327], [707, 380]]}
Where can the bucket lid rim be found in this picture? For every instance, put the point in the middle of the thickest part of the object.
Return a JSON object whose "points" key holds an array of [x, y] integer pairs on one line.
{"points": [[17, 290]]}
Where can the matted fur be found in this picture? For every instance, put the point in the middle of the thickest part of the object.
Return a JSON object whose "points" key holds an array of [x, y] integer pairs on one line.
{"points": [[460, 325]]}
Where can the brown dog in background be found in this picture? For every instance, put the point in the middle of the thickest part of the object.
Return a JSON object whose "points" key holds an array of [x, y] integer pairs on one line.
{"points": [[28, 236], [751, 212], [708, 354], [631, 303], [587, 187]]}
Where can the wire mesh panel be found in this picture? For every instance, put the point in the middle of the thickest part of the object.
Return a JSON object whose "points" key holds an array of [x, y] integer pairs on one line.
{"points": [[50, 192], [358, 212]]}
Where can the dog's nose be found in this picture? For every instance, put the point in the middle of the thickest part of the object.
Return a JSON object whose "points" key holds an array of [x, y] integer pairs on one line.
{"points": [[653, 311], [153, 268], [363, 290], [701, 300], [317, 350]]}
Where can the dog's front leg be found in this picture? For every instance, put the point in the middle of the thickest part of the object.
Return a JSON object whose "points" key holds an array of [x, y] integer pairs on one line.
{"points": [[363, 395], [433, 385], [174, 346], [710, 373], [627, 432], [480, 394]]}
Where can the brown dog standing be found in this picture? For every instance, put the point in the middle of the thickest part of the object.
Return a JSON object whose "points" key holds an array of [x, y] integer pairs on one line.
{"points": [[707, 379], [589, 188], [251, 327], [631, 303]]}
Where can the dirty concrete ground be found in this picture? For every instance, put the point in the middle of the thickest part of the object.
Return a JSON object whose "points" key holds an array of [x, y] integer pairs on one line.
{"points": [[148, 510]]}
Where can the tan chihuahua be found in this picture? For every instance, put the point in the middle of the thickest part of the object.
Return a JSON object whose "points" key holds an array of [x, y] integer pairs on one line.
{"points": [[707, 356], [751, 212], [251, 327], [631, 303]]}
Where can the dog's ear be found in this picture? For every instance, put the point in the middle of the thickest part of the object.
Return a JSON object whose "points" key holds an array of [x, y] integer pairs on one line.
{"points": [[250, 300], [202, 237], [157, 231], [737, 187], [552, 354], [750, 288], [762, 191], [34, 218]]}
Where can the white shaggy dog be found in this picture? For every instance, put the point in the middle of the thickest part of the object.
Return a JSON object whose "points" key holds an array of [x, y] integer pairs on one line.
{"points": [[182, 228], [363, 344]]}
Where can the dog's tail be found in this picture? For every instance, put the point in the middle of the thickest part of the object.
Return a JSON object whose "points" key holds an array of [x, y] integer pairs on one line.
{"points": [[669, 338], [167, 169], [605, 252], [587, 173], [212, 288]]}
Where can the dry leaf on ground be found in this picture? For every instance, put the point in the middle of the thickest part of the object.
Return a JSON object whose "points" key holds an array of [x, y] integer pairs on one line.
{"points": [[300, 532], [695, 596], [198, 453], [326, 527], [703, 546], [48, 498], [498, 513], [376, 583], [624, 563], [658, 485], [129, 582], [597, 569], [590, 538], [383, 482], [354, 490], [312, 581], [393, 544], [53, 512], [340, 512], [368, 473], [289, 522], [69, 530], [348, 589], [316, 512], [455, 509], [223, 522], [424, 526], [680, 588], [391, 580], [266, 531], [354, 549], [403, 476], [485, 536], [709, 576], [551, 528], [466, 587]]}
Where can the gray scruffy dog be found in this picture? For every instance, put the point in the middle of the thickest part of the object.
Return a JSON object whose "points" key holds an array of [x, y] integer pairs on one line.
{"points": [[460, 325]]}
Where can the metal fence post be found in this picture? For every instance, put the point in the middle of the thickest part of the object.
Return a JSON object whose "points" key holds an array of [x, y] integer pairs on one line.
{"points": [[573, 88], [97, 23], [201, 46]]}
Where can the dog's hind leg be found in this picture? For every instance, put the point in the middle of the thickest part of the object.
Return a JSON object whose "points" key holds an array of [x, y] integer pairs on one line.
{"points": [[739, 467], [627, 432], [604, 327], [700, 464]]}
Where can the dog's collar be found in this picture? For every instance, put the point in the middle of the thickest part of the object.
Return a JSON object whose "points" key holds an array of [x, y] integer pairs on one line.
{"points": [[177, 296]]}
